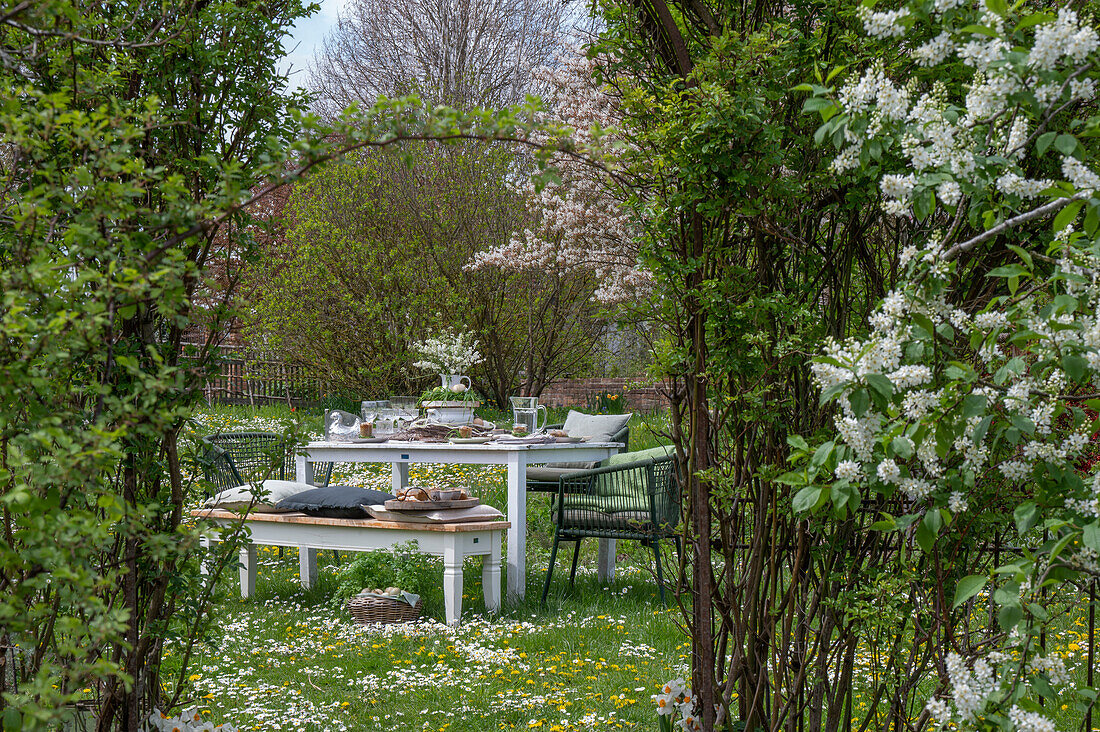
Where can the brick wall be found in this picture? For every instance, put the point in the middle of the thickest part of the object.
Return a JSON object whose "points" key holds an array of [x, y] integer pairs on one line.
{"points": [[640, 397]]}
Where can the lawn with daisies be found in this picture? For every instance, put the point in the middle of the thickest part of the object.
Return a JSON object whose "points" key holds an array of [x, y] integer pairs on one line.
{"points": [[293, 659]]}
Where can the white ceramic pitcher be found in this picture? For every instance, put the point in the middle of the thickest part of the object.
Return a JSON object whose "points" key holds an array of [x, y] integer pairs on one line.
{"points": [[453, 380]]}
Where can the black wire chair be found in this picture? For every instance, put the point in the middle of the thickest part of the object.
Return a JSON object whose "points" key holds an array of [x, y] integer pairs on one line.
{"points": [[231, 459], [639, 500]]}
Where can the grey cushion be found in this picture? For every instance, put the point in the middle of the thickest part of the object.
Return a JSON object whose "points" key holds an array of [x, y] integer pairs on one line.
{"points": [[336, 501], [592, 519], [553, 472], [266, 499], [596, 427]]}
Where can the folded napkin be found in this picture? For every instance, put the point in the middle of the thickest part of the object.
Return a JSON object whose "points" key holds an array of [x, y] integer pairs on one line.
{"points": [[408, 597], [529, 440]]}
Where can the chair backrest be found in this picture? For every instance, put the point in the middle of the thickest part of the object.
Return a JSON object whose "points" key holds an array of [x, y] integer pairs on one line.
{"points": [[642, 496], [231, 459]]}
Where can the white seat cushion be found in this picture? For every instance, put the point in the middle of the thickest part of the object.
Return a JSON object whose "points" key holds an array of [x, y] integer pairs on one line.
{"points": [[270, 493]]}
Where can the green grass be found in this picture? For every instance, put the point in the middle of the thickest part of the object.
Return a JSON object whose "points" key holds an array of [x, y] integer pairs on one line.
{"points": [[292, 659]]}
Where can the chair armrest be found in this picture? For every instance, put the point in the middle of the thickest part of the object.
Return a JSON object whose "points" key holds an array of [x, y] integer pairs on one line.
{"points": [[623, 436], [218, 468]]}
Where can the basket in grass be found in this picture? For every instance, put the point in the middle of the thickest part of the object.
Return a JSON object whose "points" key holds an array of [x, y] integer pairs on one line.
{"points": [[378, 608]]}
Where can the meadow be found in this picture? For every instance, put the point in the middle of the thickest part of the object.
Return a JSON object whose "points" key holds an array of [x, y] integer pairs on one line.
{"points": [[293, 659]]}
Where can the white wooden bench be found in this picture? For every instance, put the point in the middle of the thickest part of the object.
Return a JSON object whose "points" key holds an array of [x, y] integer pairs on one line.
{"points": [[452, 542]]}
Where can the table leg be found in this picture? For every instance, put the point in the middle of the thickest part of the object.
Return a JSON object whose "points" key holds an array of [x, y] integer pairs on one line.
{"points": [[400, 473], [452, 580], [490, 573], [303, 469], [307, 566], [248, 570], [517, 533], [605, 565]]}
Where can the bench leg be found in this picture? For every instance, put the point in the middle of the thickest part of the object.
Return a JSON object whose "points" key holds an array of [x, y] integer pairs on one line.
{"points": [[204, 565], [605, 566], [248, 571], [490, 574], [307, 566], [452, 580]]}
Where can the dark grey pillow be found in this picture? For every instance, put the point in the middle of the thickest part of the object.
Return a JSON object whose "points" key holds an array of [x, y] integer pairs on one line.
{"points": [[336, 501], [582, 465]]}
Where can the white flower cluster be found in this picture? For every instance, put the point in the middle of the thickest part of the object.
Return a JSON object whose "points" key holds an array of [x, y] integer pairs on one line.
{"points": [[676, 700], [883, 25], [188, 721], [970, 688], [1029, 721], [1065, 38], [448, 353]]}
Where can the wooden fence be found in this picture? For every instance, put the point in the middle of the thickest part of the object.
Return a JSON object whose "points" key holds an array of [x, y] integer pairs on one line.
{"points": [[255, 378]]}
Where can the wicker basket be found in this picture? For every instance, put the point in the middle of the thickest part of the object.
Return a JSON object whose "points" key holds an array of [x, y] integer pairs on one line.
{"points": [[368, 610]]}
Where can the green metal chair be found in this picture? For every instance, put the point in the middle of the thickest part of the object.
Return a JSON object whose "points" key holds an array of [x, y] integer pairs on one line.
{"points": [[544, 478], [638, 500]]}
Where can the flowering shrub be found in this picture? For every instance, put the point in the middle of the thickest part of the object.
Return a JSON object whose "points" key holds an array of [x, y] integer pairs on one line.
{"points": [[676, 707], [954, 403], [580, 223], [448, 353]]}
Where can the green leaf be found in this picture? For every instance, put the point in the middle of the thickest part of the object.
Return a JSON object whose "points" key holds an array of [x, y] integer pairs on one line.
{"points": [[13, 720], [926, 535], [1044, 142], [807, 499], [924, 203], [832, 392], [1027, 22], [881, 384], [1065, 144], [1026, 515], [822, 453], [792, 479], [797, 442], [1000, 7], [1090, 536], [1009, 616], [886, 523], [860, 401], [925, 323], [968, 587], [973, 405], [902, 447], [1066, 216], [1075, 367]]}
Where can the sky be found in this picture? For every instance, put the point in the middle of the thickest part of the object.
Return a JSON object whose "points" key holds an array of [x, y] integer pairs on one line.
{"points": [[307, 35]]}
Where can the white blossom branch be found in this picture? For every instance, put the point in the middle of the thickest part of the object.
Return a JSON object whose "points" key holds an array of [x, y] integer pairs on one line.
{"points": [[1035, 213]]}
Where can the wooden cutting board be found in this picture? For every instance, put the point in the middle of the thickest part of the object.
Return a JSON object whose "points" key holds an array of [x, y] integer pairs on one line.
{"points": [[430, 505]]}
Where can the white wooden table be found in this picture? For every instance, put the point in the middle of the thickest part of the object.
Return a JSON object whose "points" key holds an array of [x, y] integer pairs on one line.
{"points": [[515, 457], [453, 542]]}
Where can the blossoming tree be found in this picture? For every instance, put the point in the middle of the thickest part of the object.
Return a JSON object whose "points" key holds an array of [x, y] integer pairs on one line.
{"points": [[580, 222], [954, 404]]}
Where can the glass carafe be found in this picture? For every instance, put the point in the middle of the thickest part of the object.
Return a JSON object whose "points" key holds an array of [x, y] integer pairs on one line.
{"points": [[525, 412]]}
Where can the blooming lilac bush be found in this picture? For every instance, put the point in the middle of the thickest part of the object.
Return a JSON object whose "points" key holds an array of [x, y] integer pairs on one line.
{"points": [[951, 403]]}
